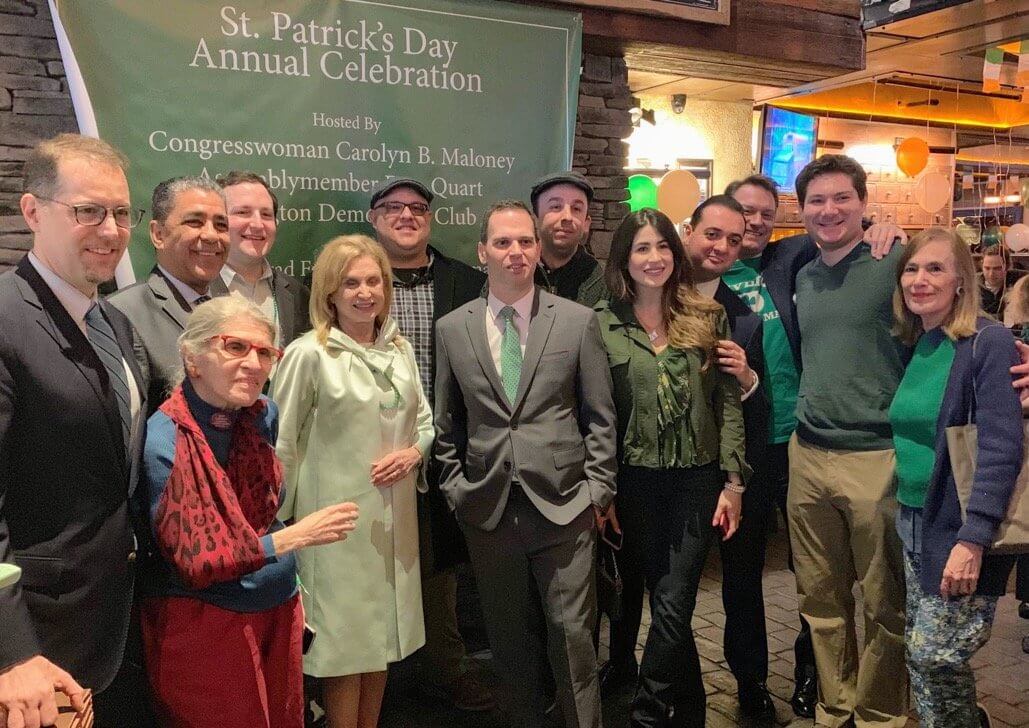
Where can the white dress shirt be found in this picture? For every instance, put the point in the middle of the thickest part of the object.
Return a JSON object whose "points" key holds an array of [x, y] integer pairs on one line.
{"points": [[495, 324], [260, 294], [187, 292]]}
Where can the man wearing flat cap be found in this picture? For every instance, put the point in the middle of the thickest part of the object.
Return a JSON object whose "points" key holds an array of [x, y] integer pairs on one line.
{"points": [[426, 286], [561, 201]]}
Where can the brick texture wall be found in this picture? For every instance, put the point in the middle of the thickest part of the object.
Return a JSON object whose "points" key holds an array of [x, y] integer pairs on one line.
{"points": [[600, 154], [35, 104]]}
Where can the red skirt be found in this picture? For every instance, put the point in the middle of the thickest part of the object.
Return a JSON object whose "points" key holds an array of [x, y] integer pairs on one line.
{"points": [[210, 666]]}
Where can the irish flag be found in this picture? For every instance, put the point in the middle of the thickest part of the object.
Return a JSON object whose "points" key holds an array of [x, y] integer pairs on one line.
{"points": [[991, 69]]}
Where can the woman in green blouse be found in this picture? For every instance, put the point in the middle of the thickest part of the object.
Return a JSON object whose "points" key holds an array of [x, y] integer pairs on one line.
{"points": [[680, 442]]}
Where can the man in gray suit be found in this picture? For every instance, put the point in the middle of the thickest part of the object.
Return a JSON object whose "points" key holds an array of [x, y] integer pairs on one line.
{"points": [[526, 441], [190, 231], [253, 211]]}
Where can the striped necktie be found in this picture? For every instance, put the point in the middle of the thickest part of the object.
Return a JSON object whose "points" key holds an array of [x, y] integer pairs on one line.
{"points": [[510, 354], [101, 336]]}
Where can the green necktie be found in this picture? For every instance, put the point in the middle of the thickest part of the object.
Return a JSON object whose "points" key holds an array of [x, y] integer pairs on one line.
{"points": [[510, 354]]}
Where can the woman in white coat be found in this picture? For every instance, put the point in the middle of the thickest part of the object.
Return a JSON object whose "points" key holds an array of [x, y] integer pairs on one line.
{"points": [[354, 425]]}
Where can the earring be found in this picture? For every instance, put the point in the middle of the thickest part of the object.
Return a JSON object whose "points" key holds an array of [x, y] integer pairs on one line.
{"points": [[959, 291]]}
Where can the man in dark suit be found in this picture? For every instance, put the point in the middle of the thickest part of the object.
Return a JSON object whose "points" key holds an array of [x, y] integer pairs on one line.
{"points": [[426, 286], [526, 438], [190, 231], [253, 210], [72, 402], [713, 240]]}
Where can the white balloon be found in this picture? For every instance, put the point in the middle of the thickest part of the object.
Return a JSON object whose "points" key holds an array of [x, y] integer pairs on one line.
{"points": [[933, 191], [1017, 238]]}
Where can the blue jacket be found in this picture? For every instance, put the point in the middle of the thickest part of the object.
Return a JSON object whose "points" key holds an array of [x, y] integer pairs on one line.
{"points": [[983, 384]]}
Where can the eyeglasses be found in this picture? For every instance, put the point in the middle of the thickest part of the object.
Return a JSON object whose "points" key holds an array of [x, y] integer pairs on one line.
{"points": [[394, 208], [91, 214], [237, 348]]}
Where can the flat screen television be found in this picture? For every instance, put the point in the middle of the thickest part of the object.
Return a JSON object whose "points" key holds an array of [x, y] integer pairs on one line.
{"points": [[788, 142]]}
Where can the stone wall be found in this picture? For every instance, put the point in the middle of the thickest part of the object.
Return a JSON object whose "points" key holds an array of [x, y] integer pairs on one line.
{"points": [[34, 105], [603, 122]]}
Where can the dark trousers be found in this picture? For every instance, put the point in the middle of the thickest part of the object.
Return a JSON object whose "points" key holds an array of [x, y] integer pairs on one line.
{"points": [[776, 475], [745, 641], [525, 563], [1022, 578], [678, 505]]}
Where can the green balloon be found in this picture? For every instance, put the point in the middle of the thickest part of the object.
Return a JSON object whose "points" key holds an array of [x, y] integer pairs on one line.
{"points": [[642, 192]]}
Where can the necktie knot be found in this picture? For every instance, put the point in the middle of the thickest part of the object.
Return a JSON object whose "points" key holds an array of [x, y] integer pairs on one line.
{"points": [[507, 313]]}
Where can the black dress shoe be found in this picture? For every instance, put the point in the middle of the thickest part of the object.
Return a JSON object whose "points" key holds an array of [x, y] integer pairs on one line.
{"points": [[805, 697], [755, 702], [615, 676]]}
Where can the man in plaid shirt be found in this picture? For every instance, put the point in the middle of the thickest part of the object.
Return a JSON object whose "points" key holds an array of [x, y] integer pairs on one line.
{"points": [[426, 286]]}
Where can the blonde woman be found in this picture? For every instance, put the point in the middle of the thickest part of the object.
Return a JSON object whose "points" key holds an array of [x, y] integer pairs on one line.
{"points": [[354, 425], [959, 372]]}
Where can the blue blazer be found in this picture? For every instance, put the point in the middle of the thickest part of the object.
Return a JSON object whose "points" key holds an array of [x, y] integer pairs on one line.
{"points": [[780, 263], [981, 384]]}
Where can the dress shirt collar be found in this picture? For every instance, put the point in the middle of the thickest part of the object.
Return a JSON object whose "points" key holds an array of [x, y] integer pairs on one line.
{"points": [[228, 275], [708, 288], [75, 302], [187, 292], [522, 307]]}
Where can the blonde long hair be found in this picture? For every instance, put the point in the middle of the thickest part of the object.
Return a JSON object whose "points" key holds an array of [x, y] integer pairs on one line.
{"points": [[689, 317], [960, 322], [331, 268]]}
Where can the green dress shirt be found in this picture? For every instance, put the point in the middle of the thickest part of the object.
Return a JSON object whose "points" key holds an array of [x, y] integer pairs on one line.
{"points": [[672, 412]]}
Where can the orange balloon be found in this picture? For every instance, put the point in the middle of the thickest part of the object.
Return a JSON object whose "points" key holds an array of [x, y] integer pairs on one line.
{"points": [[678, 194], [912, 156]]}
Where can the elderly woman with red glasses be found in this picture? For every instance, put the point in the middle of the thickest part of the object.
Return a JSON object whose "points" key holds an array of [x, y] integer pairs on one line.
{"points": [[222, 623]]}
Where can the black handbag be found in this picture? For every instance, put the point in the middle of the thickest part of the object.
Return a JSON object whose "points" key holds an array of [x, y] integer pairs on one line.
{"points": [[609, 582]]}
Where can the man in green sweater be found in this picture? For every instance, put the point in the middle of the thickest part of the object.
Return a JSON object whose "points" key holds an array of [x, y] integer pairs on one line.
{"points": [[841, 499]]}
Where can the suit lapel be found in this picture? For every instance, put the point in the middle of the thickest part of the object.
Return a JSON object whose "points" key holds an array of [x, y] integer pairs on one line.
{"points": [[283, 306], [475, 323], [171, 302], [442, 288], [55, 320], [540, 325]]}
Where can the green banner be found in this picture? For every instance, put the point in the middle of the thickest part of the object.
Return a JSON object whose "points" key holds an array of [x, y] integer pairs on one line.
{"points": [[328, 100]]}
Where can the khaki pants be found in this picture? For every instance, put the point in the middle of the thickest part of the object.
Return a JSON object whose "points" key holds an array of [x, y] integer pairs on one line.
{"points": [[841, 507]]}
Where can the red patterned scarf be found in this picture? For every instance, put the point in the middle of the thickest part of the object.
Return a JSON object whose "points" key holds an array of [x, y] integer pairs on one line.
{"points": [[210, 519]]}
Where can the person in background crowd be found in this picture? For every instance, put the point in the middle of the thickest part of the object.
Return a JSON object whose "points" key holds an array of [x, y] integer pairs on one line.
{"points": [[765, 277], [994, 280], [190, 232], [561, 202], [426, 286], [958, 375], [355, 426], [680, 445], [71, 395], [227, 585], [714, 236], [525, 436], [841, 455], [253, 211]]}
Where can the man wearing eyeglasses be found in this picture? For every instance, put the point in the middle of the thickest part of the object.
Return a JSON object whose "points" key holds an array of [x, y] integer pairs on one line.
{"points": [[190, 232], [427, 285], [253, 208], [72, 401]]}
